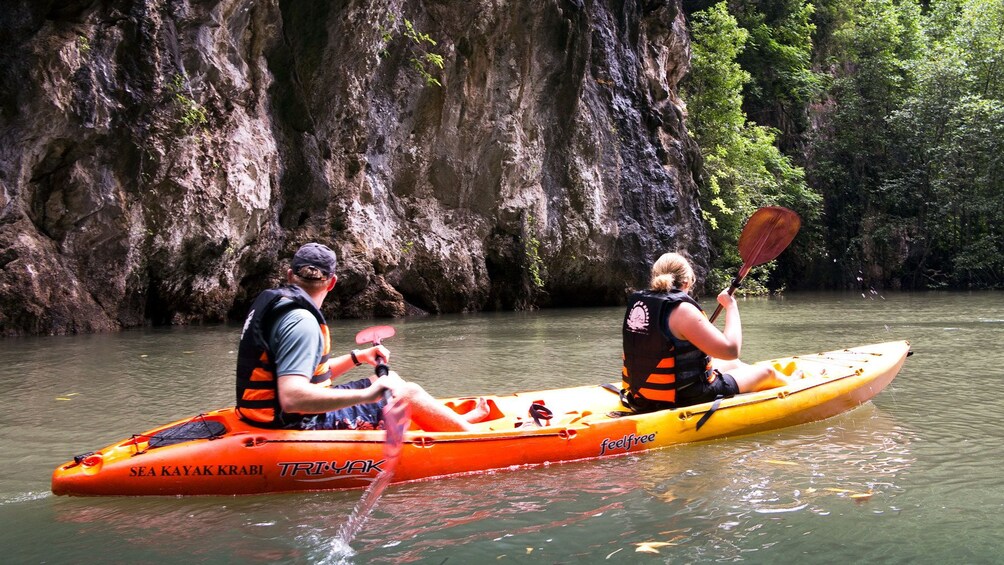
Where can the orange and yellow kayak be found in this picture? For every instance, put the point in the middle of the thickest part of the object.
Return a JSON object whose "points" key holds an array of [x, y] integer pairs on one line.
{"points": [[217, 453]]}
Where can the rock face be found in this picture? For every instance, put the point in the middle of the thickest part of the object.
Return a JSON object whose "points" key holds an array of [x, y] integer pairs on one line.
{"points": [[160, 160]]}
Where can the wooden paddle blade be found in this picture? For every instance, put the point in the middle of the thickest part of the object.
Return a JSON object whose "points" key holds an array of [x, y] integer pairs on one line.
{"points": [[375, 334], [767, 233]]}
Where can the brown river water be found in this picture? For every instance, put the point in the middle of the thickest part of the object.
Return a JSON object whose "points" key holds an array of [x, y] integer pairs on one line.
{"points": [[928, 448]]}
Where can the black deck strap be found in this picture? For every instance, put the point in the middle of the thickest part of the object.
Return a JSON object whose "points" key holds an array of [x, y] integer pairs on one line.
{"points": [[196, 428], [714, 407], [540, 412], [612, 388]]}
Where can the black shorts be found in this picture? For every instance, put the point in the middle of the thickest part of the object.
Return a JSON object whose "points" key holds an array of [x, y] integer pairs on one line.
{"points": [[723, 385], [358, 417]]}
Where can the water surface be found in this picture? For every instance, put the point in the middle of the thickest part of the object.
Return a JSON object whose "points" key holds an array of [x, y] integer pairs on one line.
{"points": [[927, 450]]}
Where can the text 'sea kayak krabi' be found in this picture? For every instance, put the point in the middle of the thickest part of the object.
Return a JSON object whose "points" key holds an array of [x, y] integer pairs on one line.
{"points": [[217, 453]]}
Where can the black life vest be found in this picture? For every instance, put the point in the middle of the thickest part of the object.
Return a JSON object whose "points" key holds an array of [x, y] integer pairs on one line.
{"points": [[257, 382], [656, 364]]}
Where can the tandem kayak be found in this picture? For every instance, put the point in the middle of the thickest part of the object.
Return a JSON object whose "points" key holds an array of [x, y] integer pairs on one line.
{"points": [[216, 453]]}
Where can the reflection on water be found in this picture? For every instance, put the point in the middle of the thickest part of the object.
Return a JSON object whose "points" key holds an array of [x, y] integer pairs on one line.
{"points": [[721, 500], [911, 477], [735, 495]]}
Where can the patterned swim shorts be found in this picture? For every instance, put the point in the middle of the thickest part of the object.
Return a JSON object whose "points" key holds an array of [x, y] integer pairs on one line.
{"points": [[358, 417]]}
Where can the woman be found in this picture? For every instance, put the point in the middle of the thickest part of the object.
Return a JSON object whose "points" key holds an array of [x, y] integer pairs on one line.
{"points": [[673, 356]]}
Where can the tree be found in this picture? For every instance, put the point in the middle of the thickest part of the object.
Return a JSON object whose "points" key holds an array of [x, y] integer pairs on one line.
{"points": [[743, 168], [951, 134], [869, 220], [778, 58]]}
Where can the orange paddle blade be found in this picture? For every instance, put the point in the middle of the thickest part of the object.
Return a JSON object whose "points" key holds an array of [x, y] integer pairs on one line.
{"points": [[374, 334]]}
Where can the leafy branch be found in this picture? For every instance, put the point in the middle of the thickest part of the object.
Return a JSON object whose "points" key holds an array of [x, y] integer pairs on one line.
{"points": [[192, 113], [532, 251], [425, 56], [424, 59]]}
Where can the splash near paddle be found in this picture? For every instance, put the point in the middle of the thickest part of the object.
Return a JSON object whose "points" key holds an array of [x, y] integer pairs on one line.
{"points": [[396, 417], [766, 234]]}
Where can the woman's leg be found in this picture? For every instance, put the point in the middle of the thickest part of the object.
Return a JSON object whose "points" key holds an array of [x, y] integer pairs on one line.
{"points": [[726, 366], [752, 378]]}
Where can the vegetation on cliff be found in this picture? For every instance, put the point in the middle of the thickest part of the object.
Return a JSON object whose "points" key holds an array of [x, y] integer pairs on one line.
{"points": [[894, 109]]}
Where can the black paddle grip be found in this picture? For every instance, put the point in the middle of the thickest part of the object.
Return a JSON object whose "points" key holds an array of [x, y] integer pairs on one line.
{"points": [[736, 283]]}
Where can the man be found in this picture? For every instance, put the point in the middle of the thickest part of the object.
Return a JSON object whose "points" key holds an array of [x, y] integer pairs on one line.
{"points": [[284, 366]]}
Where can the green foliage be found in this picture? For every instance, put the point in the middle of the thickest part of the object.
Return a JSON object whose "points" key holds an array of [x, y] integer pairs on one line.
{"points": [[912, 162], [906, 146], [191, 113], [743, 168], [778, 58], [855, 149], [531, 249], [423, 59]]}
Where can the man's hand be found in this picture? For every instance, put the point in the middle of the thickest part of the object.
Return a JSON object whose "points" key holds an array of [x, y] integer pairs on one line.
{"points": [[391, 381], [370, 355]]}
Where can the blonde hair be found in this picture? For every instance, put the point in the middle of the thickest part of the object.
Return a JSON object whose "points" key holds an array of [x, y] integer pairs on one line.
{"points": [[672, 270]]}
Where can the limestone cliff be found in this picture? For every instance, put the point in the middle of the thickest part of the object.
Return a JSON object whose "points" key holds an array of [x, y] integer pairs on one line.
{"points": [[161, 159]]}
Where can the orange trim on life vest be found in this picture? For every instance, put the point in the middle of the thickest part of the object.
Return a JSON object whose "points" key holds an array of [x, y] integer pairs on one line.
{"points": [[259, 394], [658, 395], [660, 379], [261, 375], [667, 363], [322, 369]]}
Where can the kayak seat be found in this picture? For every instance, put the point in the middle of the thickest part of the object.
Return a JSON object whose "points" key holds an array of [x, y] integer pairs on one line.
{"points": [[465, 405], [785, 370]]}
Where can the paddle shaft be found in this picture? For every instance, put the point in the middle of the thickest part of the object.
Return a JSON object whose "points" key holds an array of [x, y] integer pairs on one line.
{"points": [[399, 418], [396, 419], [381, 370], [732, 289]]}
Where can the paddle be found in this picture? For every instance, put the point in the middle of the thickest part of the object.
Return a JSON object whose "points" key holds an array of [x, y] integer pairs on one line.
{"points": [[396, 416], [766, 234]]}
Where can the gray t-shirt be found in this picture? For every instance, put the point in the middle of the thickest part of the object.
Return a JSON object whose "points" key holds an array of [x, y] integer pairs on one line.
{"points": [[297, 343]]}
